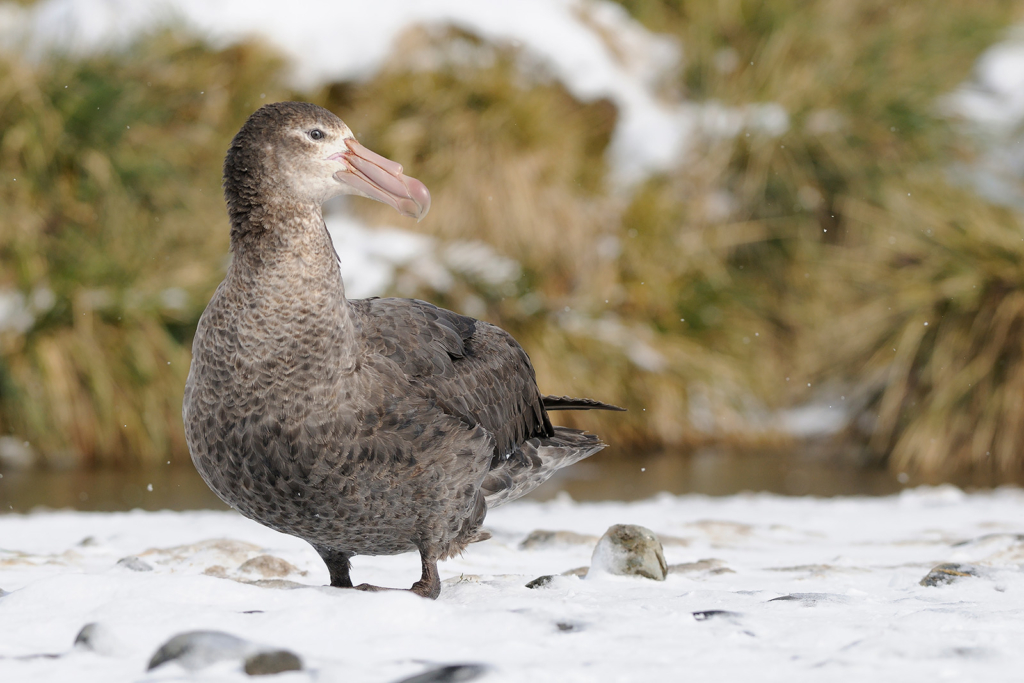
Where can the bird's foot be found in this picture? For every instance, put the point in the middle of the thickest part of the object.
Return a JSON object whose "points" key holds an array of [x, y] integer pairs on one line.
{"points": [[427, 589], [424, 590], [373, 589]]}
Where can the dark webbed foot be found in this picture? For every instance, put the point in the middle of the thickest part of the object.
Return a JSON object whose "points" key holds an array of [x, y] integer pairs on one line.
{"points": [[429, 585], [370, 588]]}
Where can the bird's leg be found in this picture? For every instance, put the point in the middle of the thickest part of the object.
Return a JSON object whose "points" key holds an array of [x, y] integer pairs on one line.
{"points": [[338, 565], [429, 585]]}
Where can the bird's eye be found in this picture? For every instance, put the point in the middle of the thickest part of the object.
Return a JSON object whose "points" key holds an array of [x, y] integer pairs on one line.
{"points": [[316, 134]]}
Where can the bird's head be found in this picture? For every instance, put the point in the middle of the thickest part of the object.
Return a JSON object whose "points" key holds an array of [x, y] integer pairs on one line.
{"points": [[307, 154]]}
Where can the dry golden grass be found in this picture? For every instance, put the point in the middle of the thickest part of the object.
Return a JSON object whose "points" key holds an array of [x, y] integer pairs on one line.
{"points": [[116, 219], [934, 331], [690, 301], [847, 228]]}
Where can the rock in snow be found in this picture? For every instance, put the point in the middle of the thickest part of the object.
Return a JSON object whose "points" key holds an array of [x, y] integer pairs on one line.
{"points": [[542, 538], [948, 572], [271, 662], [135, 564], [629, 550], [198, 649], [454, 673], [99, 638]]}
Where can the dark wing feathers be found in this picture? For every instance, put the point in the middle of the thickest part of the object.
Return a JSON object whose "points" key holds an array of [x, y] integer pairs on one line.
{"points": [[473, 370], [569, 403]]}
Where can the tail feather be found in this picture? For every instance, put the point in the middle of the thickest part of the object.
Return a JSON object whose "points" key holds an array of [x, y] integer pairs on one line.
{"points": [[569, 403], [534, 463]]}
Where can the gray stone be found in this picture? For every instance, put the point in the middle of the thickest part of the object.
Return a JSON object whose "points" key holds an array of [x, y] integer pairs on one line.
{"points": [[947, 573], [540, 581], [453, 673], [195, 650], [99, 639], [542, 538], [810, 599], [272, 662], [990, 538], [629, 550], [707, 614], [709, 565], [268, 567], [135, 564]]}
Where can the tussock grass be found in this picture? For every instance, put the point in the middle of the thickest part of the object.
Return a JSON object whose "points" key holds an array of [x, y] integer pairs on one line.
{"points": [[934, 341], [114, 226], [704, 300], [847, 228]]}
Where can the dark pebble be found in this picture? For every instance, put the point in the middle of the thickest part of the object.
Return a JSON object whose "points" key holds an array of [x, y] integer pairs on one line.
{"points": [[87, 636], [540, 581], [196, 649], [714, 614], [272, 662], [811, 598], [947, 573], [135, 564], [454, 673]]}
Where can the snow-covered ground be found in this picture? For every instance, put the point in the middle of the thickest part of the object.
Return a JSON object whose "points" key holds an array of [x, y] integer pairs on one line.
{"points": [[761, 587]]}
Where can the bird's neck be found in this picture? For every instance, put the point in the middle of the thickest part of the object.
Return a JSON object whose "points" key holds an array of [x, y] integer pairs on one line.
{"points": [[289, 242], [289, 273]]}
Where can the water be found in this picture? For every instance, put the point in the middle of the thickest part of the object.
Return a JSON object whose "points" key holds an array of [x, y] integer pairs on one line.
{"points": [[713, 473]]}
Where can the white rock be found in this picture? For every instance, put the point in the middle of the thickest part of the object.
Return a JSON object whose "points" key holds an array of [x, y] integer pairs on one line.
{"points": [[629, 550]]}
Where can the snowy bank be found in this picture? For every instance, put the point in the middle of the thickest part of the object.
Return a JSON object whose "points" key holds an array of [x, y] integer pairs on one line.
{"points": [[991, 104], [593, 47], [760, 587]]}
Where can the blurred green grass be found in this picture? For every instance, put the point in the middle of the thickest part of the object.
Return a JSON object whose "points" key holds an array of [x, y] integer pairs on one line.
{"points": [[707, 299]]}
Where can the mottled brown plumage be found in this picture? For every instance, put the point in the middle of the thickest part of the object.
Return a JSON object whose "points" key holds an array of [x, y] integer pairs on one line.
{"points": [[373, 426]]}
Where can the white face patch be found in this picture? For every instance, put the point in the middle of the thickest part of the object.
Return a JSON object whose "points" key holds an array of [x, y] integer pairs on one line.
{"points": [[307, 170], [315, 168]]}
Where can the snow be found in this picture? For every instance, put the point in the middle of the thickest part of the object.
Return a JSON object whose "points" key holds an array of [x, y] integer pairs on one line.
{"points": [[14, 314], [18, 312], [991, 105], [592, 46], [371, 259], [848, 570], [994, 97], [814, 419]]}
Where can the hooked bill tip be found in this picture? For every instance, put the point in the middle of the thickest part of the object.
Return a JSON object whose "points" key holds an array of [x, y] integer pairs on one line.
{"points": [[420, 195]]}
